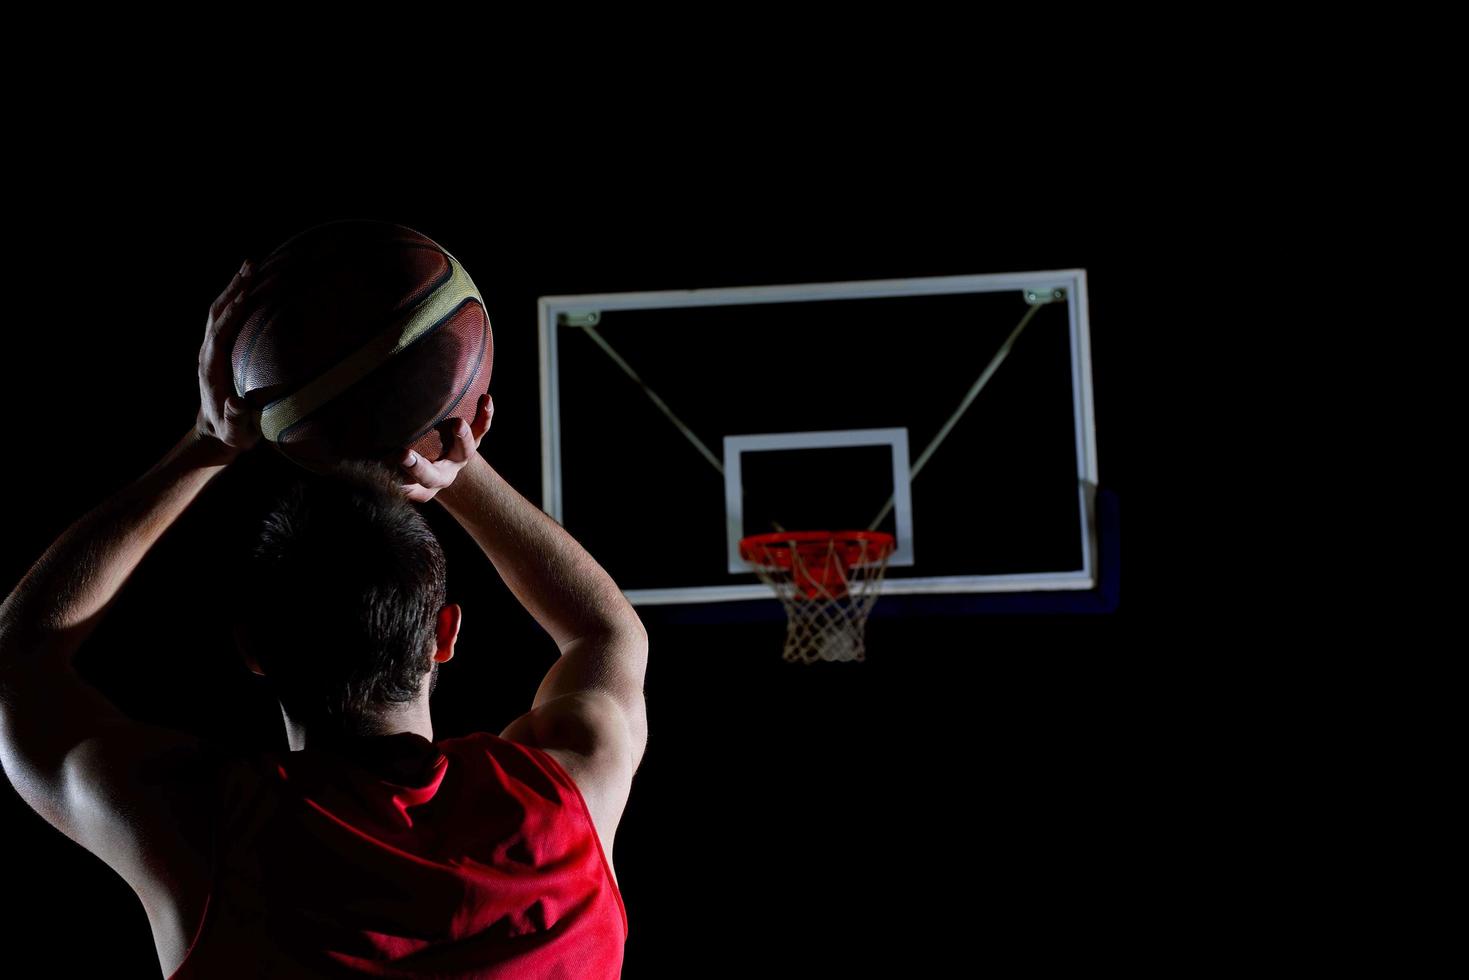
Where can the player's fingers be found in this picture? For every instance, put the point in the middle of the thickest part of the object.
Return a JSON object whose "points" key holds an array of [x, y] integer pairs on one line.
{"points": [[462, 444], [414, 465], [230, 318], [483, 414], [231, 292], [436, 475]]}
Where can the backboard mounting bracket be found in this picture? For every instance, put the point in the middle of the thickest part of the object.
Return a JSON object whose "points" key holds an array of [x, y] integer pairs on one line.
{"points": [[589, 318]]}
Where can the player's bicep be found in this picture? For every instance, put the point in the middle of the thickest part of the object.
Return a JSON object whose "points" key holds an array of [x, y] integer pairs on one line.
{"points": [[586, 723], [45, 715], [611, 665]]}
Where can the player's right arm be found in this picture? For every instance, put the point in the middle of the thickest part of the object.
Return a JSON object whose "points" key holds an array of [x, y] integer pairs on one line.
{"points": [[589, 709]]}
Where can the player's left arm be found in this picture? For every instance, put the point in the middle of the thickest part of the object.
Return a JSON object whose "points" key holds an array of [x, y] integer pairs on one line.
{"points": [[79, 762]]}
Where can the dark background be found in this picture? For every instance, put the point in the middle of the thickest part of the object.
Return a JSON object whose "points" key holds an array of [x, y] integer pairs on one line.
{"points": [[969, 792]]}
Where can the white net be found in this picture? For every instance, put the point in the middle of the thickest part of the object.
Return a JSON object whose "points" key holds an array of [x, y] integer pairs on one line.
{"points": [[827, 586]]}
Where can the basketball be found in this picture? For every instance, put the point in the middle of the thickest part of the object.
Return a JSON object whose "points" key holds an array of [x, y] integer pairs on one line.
{"points": [[360, 338]]}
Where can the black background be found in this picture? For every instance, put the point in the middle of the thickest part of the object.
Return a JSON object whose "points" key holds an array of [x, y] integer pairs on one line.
{"points": [[971, 791]]}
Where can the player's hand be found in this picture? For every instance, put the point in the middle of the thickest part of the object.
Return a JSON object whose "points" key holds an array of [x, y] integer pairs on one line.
{"points": [[224, 419], [423, 478]]}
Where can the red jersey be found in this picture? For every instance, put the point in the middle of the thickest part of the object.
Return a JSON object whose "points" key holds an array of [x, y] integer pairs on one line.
{"points": [[471, 857]]}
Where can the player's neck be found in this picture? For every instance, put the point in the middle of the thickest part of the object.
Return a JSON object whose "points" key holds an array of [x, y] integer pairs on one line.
{"points": [[413, 718]]}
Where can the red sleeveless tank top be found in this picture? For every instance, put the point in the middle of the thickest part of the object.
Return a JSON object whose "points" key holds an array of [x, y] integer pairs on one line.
{"points": [[480, 862]]}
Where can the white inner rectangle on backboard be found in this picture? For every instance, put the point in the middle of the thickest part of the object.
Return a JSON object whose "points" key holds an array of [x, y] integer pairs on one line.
{"points": [[734, 492]]}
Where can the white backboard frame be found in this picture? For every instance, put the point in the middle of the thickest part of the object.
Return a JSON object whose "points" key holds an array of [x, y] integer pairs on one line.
{"points": [[550, 309]]}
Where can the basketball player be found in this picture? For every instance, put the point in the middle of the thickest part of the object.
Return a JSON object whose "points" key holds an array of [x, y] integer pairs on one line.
{"points": [[369, 848]]}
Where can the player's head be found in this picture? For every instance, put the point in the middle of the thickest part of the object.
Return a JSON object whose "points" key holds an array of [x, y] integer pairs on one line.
{"points": [[342, 605]]}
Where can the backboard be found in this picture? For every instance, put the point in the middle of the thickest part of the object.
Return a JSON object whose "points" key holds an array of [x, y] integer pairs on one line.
{"points": [[952, 412]]}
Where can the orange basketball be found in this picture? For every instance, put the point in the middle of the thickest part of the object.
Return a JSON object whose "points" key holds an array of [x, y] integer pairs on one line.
{"points": [[361, 337]]}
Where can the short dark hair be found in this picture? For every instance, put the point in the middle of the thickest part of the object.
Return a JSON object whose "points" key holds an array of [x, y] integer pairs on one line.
{"points": [[341, 595]]}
